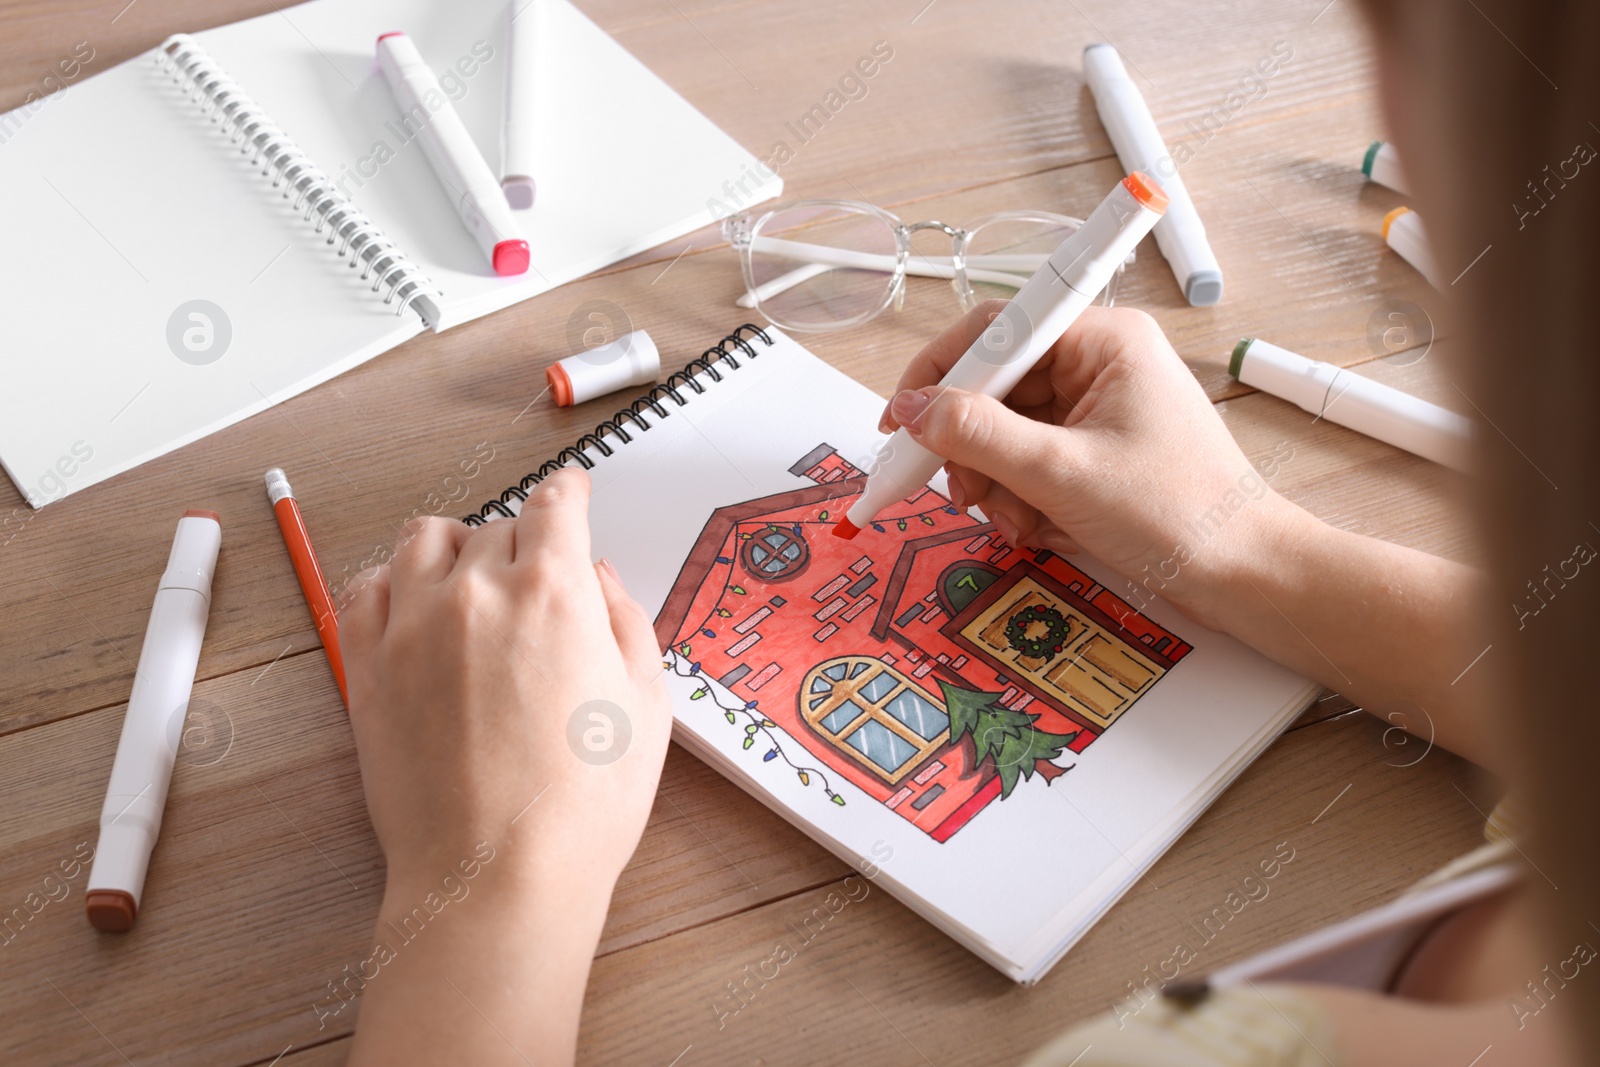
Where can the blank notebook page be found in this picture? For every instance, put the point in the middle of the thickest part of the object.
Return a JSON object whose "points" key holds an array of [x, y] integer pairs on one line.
{"points": [[120, 203], [623, 162]]}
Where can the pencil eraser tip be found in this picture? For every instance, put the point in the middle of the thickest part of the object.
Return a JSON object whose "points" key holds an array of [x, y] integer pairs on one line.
{"points": [[277, 485], [511, 257], [846, 530], [519, 191], [110, 910], [201, 513], [1204, 288]]}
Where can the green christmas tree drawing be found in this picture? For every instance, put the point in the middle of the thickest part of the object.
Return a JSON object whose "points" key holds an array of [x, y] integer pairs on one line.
{"points": [[1005, 736]]}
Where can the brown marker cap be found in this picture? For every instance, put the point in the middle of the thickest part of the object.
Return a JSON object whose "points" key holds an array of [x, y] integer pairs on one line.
{"points": [[111, 910], [200, 513]]}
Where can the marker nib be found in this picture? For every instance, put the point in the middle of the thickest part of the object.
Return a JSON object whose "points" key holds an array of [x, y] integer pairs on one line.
{"points": [[846, 529]]}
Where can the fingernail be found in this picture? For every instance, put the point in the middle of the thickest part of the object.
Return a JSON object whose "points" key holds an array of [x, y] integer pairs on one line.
{"points": [[611, 570], [1007, 528], [1056, 541], [958, 492], [885, 424], [908, 407]]}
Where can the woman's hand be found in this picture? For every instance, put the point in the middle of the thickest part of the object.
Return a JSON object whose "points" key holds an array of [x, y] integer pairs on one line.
{"points": [[466, 668], [510, 719], [1109, 444]]}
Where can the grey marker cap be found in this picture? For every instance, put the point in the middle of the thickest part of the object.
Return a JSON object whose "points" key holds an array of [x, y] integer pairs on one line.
{"points": [[1204, 288]]}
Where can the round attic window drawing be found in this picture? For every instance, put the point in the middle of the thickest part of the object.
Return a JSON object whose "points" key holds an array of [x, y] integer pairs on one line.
{"points": [[776, 554]]}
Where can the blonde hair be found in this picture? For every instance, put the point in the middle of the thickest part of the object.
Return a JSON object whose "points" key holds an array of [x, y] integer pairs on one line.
{"points": [[1492, 102]]}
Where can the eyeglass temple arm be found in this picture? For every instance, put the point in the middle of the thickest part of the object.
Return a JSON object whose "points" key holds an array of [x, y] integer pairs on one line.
{"points": [[824, 258]]}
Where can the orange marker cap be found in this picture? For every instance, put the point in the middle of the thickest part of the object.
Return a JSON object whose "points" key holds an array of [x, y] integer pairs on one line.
{"points": [[555, 376], [1147, 191], [1388, 220]]}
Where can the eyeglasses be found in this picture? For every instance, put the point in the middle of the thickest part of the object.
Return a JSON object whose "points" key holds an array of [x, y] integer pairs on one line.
{"points": [[817, 265]]}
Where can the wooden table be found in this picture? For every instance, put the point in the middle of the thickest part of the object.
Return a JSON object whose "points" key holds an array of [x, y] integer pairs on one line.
{"points": [[268, 877]]}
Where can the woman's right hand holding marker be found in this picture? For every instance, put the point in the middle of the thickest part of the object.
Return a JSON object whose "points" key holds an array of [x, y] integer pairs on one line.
{"points": [[1109, 444]]}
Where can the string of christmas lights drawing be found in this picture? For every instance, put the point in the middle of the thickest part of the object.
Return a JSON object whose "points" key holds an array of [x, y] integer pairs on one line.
{"points": [[758, 725]]}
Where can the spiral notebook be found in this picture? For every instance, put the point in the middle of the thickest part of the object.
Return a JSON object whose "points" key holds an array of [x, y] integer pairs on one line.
{"points": [[179, 230], [1002, 738]]}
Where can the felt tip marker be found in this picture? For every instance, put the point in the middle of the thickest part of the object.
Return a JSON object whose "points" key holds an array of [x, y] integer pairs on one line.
{"points": [[517, 147], [152, 728], [451, 152], [1355, 402], [1381, 164], [631, 360], [1049, 302], [1133, 132], [1402, 231]]}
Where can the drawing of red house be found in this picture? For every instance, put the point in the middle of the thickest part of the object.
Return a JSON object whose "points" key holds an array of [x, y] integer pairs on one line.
{"points": [[834, 651]]}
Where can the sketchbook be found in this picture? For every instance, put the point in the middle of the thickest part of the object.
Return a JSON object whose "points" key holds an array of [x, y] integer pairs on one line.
{"points": [[996, 735], [241, 214]]}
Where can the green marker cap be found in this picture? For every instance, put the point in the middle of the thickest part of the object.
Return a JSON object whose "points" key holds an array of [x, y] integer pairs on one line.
{"points": [[1237, 359], [1372, 153]]}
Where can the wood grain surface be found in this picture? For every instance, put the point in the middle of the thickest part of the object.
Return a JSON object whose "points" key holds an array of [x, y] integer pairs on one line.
{"points": [[267, 878]]}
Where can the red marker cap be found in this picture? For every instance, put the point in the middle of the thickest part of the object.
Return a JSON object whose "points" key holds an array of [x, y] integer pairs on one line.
{"points": [[511, 257]]}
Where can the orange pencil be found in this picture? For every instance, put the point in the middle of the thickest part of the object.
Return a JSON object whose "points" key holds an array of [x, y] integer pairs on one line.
{"points": [[312, 584]]}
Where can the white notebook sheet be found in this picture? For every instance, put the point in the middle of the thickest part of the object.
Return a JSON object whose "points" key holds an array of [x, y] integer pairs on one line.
{"points": [[812, 671], [120, 203]]}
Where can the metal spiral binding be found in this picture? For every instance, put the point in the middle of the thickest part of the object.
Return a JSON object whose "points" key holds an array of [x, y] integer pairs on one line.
{"points": [[703, 365], [225, 103]]}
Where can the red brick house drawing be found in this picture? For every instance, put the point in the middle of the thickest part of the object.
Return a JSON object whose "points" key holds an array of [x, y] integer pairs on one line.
{"points": [[835, 650]]}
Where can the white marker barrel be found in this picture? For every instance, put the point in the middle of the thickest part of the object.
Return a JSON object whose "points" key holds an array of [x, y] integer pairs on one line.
{"points": [[1132, 129], [1382, 165], [1402, 229], [522, 33], [1355, 402], [130, 819], [630, 360]]}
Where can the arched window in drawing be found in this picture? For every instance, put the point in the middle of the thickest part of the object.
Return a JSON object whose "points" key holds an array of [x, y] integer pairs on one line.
{"points": [[961, 582], [776, 554], [873, 714]]}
